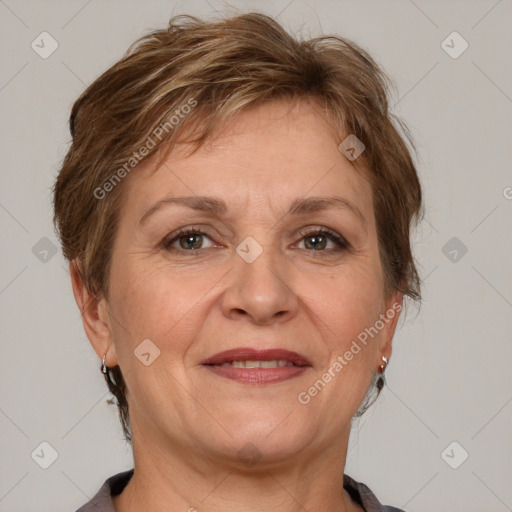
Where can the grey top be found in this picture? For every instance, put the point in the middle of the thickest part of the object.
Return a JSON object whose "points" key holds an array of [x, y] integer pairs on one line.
{"points": [[102, 501]]}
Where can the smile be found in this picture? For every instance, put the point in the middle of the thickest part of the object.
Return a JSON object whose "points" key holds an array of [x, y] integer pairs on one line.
{"points": [[252, 366], [259, 364]]}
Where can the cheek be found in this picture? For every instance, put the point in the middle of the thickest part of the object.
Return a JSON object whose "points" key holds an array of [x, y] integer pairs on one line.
{"points": [[345, 308], [345, 304], [159, 303]]}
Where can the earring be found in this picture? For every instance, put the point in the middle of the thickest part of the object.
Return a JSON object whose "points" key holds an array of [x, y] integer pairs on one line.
{"points": [[382, 367], [381, 379], [104, 368]]}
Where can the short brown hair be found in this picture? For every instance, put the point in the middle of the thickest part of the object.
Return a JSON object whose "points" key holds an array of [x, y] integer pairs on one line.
{"points": [[225, 66]]}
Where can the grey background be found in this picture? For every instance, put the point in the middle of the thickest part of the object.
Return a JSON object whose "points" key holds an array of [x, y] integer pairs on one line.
{"points": [[450, 375]]}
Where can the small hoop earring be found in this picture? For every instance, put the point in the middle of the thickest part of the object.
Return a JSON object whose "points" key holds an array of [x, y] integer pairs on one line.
{"points": [[104, 368], [382, 367]]}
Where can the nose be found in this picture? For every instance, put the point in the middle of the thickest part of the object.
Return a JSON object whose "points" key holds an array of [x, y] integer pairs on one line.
{"points": [[260, 290]]}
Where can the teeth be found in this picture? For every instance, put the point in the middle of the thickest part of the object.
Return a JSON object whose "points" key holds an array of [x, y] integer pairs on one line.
{"points": [[258, 364]]}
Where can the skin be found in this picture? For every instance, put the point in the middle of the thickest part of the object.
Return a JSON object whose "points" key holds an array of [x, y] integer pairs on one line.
{"points": [[187, 423]]}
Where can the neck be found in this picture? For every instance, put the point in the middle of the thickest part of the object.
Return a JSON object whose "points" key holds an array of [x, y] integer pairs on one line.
{"points": [[192, 482]]}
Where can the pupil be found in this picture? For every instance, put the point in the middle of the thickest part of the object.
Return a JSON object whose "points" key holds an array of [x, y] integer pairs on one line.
{"points": [[314, 241], [190, 239]]}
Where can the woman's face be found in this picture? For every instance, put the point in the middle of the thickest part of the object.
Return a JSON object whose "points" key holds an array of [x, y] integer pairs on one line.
{"points": [[250, 275]]}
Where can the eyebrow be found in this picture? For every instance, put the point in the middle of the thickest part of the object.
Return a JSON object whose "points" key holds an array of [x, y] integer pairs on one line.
{"points": [[218, 207]]}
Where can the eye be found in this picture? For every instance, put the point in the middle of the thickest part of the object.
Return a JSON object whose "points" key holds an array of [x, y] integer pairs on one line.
{"points": [[188, 239], [192, 239], [317, 239]]}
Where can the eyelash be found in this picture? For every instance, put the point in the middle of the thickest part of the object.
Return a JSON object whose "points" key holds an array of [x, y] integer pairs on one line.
{"points": [[342, 244]]}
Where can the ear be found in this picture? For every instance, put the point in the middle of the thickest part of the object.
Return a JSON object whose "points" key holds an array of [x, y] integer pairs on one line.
{"points": [[393, 308], [94, 316]]}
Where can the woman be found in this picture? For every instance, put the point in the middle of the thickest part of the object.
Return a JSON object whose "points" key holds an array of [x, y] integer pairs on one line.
{"points": [[235, 207]]}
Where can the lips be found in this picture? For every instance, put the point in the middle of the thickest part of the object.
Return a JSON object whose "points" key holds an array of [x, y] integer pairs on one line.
{"points": [[247, 365], [249, 354]]}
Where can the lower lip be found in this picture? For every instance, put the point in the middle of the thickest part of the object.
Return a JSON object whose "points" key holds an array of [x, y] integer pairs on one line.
{"points": [[257, 375]]}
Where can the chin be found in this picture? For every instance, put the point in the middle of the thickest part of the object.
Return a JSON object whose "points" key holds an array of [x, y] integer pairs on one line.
{"points": [[256, 440]]}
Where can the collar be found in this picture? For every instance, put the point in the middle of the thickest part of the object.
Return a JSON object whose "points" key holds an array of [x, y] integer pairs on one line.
{"points": [[114, 485]]}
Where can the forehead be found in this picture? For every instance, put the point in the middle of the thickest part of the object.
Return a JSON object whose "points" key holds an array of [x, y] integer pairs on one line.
{"points": [[270, 154]]}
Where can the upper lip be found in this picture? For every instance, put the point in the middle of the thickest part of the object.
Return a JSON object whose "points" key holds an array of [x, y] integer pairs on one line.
{"points": [[251, 354]]}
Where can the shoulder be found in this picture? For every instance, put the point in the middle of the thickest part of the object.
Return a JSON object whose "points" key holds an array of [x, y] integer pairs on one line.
{"points": [[363, 496], [102, 500]]}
